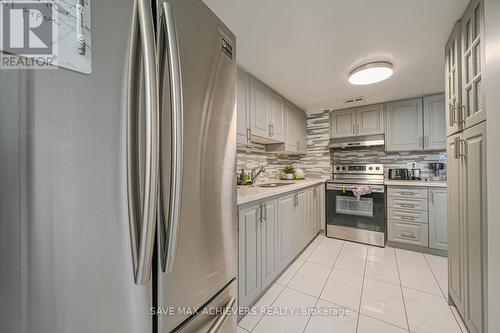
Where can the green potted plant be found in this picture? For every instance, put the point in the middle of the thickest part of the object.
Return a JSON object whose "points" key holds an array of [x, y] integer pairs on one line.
{"points": [[289, 172]]}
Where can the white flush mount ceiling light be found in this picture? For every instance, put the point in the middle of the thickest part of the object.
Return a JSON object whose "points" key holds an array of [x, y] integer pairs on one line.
{"points": [[371, 73]]}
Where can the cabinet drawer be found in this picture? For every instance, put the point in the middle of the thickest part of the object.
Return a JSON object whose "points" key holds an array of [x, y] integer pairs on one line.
{"points": [[409, 233], [407, 203], [408, 216], [406, 192]]}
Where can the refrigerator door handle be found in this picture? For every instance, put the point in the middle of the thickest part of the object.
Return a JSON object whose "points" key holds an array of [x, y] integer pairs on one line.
{"points": [[142, 219], [216, 326], [168, 55]]}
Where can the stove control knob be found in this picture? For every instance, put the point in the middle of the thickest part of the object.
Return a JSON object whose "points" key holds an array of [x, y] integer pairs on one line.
{"points": [[377, 168], [343, 168], [370, 168], [338, 168]]}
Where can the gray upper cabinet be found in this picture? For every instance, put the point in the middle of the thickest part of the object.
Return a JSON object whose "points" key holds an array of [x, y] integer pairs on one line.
{"points": [[270, 265], [249, 254], [370, 119], [242, 106], [342, 123], [404, 125], [302, 131], [453, 85], [434, 123], [260, 110], [438, 218], [472, 60], [278, 123], [366, 120], [295, 134]]}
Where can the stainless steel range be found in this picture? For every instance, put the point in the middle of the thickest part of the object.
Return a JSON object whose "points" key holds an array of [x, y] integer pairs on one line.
{"points": [[347, 217]]}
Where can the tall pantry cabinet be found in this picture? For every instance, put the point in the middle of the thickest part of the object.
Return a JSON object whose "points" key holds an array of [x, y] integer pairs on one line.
{"points": [[466, 153]]}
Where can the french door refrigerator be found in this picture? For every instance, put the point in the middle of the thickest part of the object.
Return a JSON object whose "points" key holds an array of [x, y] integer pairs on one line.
{"points": [[118, 194]]}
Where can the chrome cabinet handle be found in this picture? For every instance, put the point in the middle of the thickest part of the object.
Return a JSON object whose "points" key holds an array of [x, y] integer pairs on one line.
{"points": [[461, 114], [264, 212], [457, 148], [407, 235], [407, 193], [169, 68], [451, 113], [407, 218], [426, 141], [216, 326], [463, 149], [407, 205], [248, 135], [142, 235]]}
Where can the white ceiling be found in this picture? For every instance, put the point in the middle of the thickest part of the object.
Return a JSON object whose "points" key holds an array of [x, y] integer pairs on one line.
{"points": [[305, 49]]}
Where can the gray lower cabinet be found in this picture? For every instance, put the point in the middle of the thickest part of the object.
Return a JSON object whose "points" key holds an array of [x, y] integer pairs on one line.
{"points": [[438, 218], [418, 216], [467, 228], [269, 233], [249, 254], [286, 206], [300, 221], [272, 232]]}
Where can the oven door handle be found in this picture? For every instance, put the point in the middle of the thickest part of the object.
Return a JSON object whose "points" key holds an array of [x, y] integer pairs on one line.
{"points": [[343, 187]]}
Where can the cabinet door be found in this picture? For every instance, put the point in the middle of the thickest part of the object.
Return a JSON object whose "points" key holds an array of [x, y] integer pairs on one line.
{"points": [[286, 222], [472, 58], [438, 218], [474, 201], [370, 120], [404, 125], [269, 227], [342, 123], [242, 104], [434, 123], [302, 131], [291, 128], [278, 122], [300, 228], [453, 88], [259, 109], [249, 254], [456, 230]]}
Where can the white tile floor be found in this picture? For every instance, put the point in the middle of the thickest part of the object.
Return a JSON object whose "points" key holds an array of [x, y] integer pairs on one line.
{"points": [[345, 287]]}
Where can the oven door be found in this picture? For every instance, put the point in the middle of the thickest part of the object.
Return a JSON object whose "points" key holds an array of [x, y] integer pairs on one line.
{"points": [[344, 209]]}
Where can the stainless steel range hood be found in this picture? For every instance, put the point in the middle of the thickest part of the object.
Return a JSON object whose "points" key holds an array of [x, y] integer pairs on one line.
{"points": [[357, 142]]}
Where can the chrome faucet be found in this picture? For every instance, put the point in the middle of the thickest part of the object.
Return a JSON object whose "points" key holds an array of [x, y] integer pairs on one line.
{"points": [[256, 172]]}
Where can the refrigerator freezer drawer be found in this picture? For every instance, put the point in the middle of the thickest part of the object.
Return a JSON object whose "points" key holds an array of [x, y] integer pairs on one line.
{"points": [[218, 316]]}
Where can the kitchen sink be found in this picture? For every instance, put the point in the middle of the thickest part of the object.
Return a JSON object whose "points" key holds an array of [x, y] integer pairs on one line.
{"points": [[274, 184]]}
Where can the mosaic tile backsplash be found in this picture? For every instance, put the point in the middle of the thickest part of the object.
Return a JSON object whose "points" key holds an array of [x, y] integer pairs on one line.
{"points": [[318, 160]]}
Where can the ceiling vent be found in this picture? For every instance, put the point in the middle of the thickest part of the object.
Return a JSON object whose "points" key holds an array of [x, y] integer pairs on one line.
{"points": [[354, 100]]}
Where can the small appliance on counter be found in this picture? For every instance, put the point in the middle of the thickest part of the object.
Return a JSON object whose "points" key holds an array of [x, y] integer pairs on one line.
{"points": [[438, 172], [405, 174], [399, 174]]}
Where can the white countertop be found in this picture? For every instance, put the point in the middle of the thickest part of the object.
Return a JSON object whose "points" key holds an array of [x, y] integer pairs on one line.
{"points": [[251, 193], [422, 183]]}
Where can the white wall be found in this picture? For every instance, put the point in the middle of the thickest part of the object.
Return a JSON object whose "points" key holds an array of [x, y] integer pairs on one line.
{"points": [[492, 88]]}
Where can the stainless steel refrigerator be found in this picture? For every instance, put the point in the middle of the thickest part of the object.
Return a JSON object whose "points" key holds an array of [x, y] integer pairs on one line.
{"points": [[118, 196]]}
